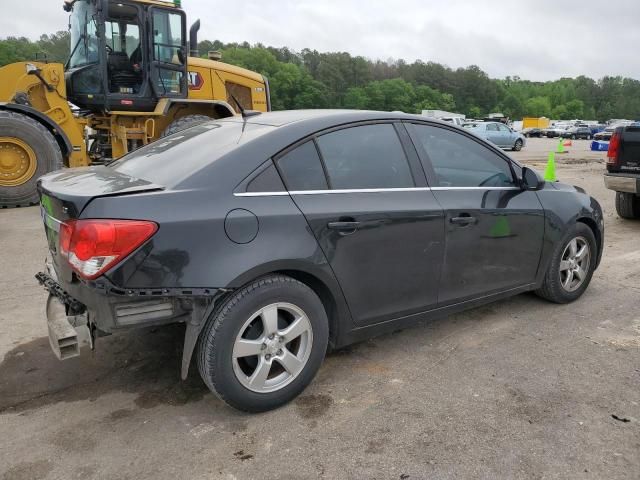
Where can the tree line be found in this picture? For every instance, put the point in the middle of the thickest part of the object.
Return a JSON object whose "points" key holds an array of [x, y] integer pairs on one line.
{"points": [[312, 79]]}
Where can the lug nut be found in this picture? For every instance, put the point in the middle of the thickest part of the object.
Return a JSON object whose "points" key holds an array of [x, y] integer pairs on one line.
{"points": [[280, 352], [271, 336], [263, 346], [267, 357]]}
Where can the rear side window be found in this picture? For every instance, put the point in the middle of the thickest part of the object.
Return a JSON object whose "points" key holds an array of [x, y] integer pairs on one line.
{"points": [[367, 156], [267, 180], [301, 168], [459, 161]]}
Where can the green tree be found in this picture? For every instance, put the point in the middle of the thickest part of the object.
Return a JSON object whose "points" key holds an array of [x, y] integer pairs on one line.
{"points": [[538, 107]]}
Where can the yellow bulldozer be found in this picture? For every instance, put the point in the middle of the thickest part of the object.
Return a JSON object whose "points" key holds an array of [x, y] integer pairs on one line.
{"points": [[132, 76]]}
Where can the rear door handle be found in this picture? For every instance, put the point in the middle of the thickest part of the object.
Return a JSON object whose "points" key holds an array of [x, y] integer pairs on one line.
{"points": [[344, 227], [464, 220]]}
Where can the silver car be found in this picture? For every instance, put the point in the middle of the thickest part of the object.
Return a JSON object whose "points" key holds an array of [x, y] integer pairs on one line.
{"points": [[498, 133]]}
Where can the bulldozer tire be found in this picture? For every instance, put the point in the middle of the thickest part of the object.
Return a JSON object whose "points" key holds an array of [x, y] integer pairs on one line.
{"points": [[183, 123], [27, 151]]}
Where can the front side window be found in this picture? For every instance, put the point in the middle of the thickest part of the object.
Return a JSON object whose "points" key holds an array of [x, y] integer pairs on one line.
{"points": [[367, 156], [459, 161], [504, 128], [492, 127]]}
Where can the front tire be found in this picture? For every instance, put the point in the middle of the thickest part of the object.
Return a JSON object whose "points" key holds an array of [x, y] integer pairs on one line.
{"points": [[27, 151], [264, 344], [517, 146], [572, 266], [627, 205]]}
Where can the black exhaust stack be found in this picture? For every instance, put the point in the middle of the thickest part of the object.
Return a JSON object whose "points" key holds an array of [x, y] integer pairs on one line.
{"points": [[193, 39]]}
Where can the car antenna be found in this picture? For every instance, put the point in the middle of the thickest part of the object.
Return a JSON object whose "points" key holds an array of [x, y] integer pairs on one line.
{"points": [[245, 113]]}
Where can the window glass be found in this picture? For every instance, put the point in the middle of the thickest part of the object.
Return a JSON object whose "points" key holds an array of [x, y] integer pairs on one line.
{"points": [[504, 128], [167, 36], [302, 169], [492, 127], [368, 156], [460, 161], [169, 81], [266, 181]]}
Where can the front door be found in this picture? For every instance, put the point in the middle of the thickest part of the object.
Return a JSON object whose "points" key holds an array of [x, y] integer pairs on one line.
{"points": [[378, 225], [494, 229]]}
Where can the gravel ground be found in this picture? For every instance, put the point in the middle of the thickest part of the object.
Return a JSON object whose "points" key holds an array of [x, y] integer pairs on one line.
{"points": [[518, 389]]}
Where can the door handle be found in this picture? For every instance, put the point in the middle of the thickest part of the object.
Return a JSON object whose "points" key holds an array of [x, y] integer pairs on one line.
{"points": [[344, 227], [464, 219]]}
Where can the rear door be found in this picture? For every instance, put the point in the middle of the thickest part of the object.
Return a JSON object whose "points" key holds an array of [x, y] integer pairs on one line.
{"points": [[366, 200], [494, 230]]}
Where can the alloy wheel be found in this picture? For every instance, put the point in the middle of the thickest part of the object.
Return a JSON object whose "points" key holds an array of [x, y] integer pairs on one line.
{"points": [[574, 264], [272, 347]]}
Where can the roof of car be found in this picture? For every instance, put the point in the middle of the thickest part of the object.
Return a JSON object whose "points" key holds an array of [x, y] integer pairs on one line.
{"points": [[284, 117]]}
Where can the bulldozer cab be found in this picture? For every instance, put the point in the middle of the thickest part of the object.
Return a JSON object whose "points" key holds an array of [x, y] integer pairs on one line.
{"points": [[126, 55]]}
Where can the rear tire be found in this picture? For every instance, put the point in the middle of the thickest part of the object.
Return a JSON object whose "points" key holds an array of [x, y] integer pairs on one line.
{"points": [[237, 344], [555, 286], [628, 205], [35, 148], [183, 123]]}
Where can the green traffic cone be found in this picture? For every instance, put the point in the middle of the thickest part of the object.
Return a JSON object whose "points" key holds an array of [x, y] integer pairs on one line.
{"points": [[550, 171], [560, 146]]}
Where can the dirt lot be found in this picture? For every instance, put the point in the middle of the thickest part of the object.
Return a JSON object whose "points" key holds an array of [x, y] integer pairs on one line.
{"points": [[518, 389]]}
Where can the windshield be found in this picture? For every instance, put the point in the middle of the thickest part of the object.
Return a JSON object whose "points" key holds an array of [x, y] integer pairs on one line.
{"points": [[84, 41]]}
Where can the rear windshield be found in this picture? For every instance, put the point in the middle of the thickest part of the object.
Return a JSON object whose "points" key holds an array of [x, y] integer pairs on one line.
{"points": [[170, 160]]}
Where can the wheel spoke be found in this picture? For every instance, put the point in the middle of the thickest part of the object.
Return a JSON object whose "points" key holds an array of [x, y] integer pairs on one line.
{"points": [[270, 319], [567, 281], [290, 362], [573, 248], [565, 265], [580, 273], [247, 348], [297, 328], [259, 377], [582, 253]]}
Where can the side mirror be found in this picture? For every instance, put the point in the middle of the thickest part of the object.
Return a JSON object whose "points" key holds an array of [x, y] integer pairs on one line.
{"points": [[531, 180]]}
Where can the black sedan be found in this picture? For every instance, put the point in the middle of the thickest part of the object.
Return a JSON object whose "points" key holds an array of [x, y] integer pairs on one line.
{"points": [[533, 132], [277, 236], [578, 133]]}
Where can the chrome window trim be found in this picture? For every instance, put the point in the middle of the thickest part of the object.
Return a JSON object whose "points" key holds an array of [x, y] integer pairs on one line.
{"points": [[260, 194], [365, 190]]}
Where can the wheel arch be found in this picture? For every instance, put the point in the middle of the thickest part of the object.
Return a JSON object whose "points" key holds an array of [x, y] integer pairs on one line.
{"points": [[219, 108], [321, 281], [591, 223], [55, 130]]}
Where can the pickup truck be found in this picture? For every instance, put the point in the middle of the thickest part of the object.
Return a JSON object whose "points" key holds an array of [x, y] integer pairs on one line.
{"points": [[623, 170]]}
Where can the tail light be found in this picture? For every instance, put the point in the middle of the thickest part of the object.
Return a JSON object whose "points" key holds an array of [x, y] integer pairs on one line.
{"points": [[94, 246], [614, 149]]}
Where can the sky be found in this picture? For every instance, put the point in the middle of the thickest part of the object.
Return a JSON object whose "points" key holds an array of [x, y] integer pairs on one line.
{"points": [[533, 39]]}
